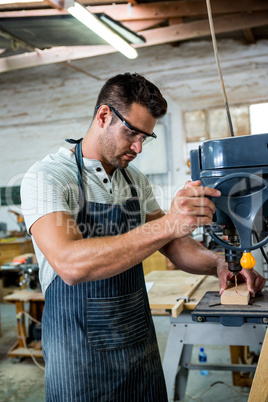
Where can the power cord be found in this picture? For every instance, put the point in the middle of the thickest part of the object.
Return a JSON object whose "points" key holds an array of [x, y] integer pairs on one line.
{"points": [[21, 336], [212, 385]]}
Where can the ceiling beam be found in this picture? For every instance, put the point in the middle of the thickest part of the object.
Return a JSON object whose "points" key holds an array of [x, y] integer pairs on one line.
{"points": [[58, 4], [182, 8], [198, 29], [51, 56], [143, 24], [153, 37], [169, 9], [249, 36]]}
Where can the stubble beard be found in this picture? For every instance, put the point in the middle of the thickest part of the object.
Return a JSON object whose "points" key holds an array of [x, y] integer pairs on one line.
{"points": [[110, 150]]}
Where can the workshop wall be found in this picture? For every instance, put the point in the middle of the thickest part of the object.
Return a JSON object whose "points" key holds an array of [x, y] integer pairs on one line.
{"points": [[40, 107]]}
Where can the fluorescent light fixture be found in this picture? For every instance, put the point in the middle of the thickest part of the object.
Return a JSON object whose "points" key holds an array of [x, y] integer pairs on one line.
{"points": [[120, 29], [93, 23], [2, 2]]}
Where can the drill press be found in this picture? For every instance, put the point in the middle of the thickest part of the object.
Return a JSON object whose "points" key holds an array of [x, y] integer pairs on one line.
{"points": [[238, 167]]}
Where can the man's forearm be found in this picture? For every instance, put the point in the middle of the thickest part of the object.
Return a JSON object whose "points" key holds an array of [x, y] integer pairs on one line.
{"points": [[190, 256], [100, 258]]}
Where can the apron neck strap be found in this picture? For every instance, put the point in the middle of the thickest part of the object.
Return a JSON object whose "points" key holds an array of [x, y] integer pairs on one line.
{"points": [[79, 162], [131, 185]]}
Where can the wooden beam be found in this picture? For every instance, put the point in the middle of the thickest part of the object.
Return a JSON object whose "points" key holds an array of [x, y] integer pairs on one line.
{"points": [[175, 21], [58, 4], [51, 56], [198, 29], [168, 9], [179, 306], [249, 36], [143, 24], [153, 37], [240, 296]]}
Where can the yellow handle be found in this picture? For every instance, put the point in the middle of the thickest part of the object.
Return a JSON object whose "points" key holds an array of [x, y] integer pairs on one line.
{"points": [[247, 261]]}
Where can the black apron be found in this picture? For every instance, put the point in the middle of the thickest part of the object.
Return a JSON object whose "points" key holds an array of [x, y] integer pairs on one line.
{"points": [[99, 340]]}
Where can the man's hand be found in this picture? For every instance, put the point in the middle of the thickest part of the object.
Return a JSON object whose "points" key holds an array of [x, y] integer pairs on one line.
{"points": [[191, 208], [255, 282]]}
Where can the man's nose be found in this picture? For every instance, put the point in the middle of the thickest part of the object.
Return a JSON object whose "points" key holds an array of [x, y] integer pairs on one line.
{"points": [[136, 147]]}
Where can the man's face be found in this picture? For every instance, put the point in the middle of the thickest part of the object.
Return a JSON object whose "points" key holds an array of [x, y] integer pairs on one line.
{"points": [[117, 151]]}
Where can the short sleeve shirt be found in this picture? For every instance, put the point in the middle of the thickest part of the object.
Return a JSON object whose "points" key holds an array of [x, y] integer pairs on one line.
{"points": [[51, 185]]}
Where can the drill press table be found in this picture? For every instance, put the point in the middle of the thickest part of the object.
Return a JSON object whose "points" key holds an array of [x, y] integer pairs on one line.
{"points": [[187, 329], [209, 309]]}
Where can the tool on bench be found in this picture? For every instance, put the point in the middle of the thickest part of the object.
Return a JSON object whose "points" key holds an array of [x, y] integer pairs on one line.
{"points": [[26, 267]]}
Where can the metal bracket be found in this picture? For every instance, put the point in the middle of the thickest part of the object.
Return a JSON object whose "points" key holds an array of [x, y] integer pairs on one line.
{"points": [[185, 298]]}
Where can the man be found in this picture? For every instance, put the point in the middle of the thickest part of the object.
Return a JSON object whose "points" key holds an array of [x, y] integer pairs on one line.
{"points": [[93, 218]]}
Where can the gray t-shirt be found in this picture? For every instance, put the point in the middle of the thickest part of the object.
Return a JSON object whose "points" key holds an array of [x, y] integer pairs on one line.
{"points": [[51, 185]]}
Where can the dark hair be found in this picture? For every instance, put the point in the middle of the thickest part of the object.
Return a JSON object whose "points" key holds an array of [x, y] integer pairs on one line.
{"points": [[122, 90]]}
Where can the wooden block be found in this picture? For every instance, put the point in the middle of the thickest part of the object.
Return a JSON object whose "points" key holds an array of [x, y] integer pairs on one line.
{"points": [[241, 297]]}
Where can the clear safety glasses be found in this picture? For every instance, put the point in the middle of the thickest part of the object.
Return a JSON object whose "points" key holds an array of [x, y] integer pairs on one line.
{"points": [[132, 134]]}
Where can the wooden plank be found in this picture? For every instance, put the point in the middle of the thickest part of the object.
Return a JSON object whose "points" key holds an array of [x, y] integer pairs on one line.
{"points": [[210, 284], [164, 295], [259, 389], [51, 56], [249, 36], [179, 306], [140, 25], [24, 296], [240, 297], [201, 28], [156, 36], [168, 9], [169, 286]]}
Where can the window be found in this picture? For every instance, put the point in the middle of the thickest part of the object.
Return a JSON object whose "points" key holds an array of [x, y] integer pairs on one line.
{"points": [[212, 123], [201, 125], [259, 118]]}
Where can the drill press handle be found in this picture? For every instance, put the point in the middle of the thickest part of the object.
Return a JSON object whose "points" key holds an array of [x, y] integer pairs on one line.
{"points": [[242, 210]]}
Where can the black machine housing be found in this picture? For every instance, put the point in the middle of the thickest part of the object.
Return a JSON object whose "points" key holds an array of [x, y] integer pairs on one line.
{"points": [[238, 167]]}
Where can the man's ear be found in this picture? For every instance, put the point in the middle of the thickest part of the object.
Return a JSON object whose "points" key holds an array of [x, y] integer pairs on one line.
{"points": [[103, 116]]}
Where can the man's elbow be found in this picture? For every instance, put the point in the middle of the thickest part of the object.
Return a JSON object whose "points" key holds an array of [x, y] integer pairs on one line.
{"points": [[68, 272]]}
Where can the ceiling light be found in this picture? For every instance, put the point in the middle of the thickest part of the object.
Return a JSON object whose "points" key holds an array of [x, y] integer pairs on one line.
{"points": [[93, 23], [2, 2], [127, 34]]}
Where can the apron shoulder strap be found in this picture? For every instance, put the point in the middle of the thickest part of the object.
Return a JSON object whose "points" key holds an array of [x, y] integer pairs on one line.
{"points": [[79, 162], [131, 185]]}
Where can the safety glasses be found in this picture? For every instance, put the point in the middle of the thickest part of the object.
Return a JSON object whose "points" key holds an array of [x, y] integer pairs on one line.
{"points": [[132, 134]]}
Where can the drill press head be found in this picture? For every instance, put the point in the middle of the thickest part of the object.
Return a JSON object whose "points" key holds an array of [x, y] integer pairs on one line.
{"points": [[238, 167]]}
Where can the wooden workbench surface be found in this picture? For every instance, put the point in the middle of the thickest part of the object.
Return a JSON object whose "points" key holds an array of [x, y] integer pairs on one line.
{"points": [[169, 285], [25, 296]]}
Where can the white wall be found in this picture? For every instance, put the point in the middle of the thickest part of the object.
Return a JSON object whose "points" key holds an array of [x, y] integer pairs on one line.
{"points": [[39, 107]]}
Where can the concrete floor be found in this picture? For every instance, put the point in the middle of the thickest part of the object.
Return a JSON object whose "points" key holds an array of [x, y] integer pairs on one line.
{"points": [[23, 381]]}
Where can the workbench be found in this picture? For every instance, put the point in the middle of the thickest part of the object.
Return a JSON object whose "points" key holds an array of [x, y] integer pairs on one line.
{"points": [[36, 301], [10, 248], [168, 286]]}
